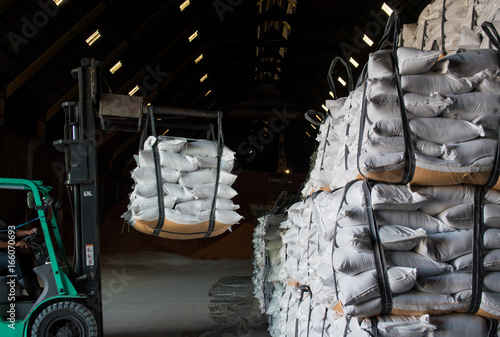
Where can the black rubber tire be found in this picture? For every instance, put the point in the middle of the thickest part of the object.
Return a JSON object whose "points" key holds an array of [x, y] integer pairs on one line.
{"points": [[66, 318]]}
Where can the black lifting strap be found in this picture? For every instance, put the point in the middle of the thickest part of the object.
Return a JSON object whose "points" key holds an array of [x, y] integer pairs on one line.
{"points": [[477, 251], [220, 147], [378, 253], [159, 179], [492, 327]]}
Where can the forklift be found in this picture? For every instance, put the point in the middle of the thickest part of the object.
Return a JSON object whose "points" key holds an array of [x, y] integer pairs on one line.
{"points": [[71, 302]]}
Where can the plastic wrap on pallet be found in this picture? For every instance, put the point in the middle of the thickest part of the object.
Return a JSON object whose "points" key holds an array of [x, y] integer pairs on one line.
{"points": [[188, 189]]}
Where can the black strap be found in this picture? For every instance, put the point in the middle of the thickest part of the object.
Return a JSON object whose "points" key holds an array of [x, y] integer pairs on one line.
{"points": [[331, 71], [346, 148], [378, 253], [159, 179], [335, 226], [325, 145], [324, 322], [492, 327], [309, 114], [477, 251], [362, 125], [280, 201], [495, 167], [492, 33], [220, 146]]}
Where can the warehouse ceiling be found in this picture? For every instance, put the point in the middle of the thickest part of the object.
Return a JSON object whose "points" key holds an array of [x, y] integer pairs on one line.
{"points": [[262, 63]]}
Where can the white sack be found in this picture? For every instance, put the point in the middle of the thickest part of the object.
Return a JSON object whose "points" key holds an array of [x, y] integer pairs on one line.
{"points": [[467, 63], [488, 80], [392, 237], [138, 203], [395, 197], [470, 151], [173, 160], [148, 173], [445, 130], [165, 143], [364, 286], [429, 83], [469, 106], [193, 179], [208, 190], [206, 148], [350, 262], [460, 216], [196, 206], [445, 283], [444, 247]]}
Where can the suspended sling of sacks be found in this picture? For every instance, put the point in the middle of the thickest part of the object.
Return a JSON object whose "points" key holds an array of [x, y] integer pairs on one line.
{"points": [[437, 144], [183, 187]]}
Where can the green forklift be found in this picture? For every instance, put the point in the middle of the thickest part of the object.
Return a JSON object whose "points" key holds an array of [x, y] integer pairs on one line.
{"points": [[71, 302]]}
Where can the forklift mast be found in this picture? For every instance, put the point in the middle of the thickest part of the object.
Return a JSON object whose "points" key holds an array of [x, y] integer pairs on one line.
{"points": [[79, 146]]}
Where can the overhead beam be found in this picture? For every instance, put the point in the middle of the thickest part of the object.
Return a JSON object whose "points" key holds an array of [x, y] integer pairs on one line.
{"points": [[290, 18], [13, 86], [274, 43]]}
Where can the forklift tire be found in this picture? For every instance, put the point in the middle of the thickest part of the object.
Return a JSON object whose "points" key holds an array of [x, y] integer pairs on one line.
{"points": [[68, 319]]}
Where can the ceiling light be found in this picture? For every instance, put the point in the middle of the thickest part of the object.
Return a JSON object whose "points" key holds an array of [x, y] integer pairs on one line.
{"points": [[387, 9], [163, 134], [184, 5], [367, 40], [133, 91], [331, 94], [308, 135], [114, 68], [203, 78], [59, 2], [287, 171], [193, 36], [324, 107], [353, 62], [313, 127], [341, 80], [198, 59], [208, 92], [93, 38], [318, 118]]}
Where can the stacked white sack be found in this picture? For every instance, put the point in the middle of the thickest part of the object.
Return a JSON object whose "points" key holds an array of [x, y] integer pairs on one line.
{"points": [[266, 261], [189, 174], [427, 239], [462, 25], [335, 162], [452, 107]]}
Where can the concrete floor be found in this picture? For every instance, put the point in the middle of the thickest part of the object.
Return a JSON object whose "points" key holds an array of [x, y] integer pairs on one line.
{"points": [[162, 294]]}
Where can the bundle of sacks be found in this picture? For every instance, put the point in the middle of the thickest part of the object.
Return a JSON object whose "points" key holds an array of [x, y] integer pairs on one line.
{"points": [[190, 185], [453, 24], [431, 262], [335, 162], [266, 257], [448, 126]]}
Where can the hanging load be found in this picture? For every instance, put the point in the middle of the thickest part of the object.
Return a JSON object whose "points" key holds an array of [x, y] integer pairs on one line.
{"points": [[183, 187], [431, 124]]}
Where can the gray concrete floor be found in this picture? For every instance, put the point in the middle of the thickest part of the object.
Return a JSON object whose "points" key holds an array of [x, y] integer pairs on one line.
{"points": [[162, 294]]}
